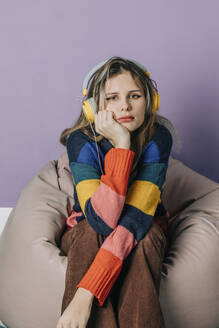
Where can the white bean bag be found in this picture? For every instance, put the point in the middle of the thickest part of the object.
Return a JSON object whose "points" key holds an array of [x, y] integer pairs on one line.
{"points": [[32, 274]]}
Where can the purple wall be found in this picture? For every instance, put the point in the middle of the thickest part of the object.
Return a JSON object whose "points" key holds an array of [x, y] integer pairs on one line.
{"points": [[47, 48]]}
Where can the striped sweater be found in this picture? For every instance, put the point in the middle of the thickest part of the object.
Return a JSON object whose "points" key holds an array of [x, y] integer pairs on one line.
{"points": [[122, 214]]}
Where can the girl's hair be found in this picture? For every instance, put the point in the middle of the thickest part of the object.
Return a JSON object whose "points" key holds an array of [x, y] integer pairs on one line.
{"points": [[143, 134]]}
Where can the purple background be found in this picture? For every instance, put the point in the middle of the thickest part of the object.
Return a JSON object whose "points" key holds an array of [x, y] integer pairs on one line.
{"points": [[48, 47]]}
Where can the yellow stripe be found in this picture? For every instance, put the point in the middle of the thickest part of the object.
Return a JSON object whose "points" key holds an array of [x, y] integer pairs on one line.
{"points": [[144, 195], [85, 190]]}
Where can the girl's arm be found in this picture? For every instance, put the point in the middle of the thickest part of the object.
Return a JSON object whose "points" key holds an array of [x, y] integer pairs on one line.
{"points": [[101, 197], [140, 205]]}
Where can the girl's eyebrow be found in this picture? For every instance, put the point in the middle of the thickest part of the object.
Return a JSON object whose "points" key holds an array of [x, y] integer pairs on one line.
{"points": [[112, 93]]}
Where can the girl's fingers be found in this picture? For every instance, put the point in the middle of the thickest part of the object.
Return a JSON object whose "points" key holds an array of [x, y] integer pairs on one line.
{"points": [[103, 122], [106, 116]]}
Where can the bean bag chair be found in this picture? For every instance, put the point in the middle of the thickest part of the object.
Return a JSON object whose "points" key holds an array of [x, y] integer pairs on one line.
{"points": [[32, 275]]}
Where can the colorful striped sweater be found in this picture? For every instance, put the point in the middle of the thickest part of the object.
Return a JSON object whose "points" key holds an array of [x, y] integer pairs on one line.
{"points": [[122, 214]]}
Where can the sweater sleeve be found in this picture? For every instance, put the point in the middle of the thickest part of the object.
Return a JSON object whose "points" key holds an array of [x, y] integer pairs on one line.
{"points": [[101, 197], [136, 218]]}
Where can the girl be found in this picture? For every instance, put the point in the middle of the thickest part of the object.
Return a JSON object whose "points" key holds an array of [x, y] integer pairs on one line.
{"points": [[116, 235]]}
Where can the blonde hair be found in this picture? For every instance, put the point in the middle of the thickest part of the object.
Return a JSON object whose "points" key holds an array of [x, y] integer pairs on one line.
{"points": [[142, 135]]}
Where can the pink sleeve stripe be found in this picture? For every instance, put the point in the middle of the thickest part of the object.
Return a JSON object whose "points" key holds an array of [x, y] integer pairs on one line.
{"points": [[120, 242], [108, 209]]}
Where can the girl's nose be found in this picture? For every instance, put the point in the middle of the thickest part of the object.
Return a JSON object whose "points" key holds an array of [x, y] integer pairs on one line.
{"points": [[125, 104]]}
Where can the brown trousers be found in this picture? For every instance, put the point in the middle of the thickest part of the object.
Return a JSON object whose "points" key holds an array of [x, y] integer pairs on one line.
{"points": [[133, 300]]}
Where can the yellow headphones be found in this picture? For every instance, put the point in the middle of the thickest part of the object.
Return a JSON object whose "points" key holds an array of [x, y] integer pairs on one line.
{"points": [[89, 106]]}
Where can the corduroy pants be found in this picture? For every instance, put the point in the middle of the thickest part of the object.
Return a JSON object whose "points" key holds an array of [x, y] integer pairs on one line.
{"points": [[134, 298]]}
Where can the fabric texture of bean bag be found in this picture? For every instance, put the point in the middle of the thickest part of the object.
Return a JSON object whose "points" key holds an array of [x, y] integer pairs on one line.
{"points": [[32, 275]]}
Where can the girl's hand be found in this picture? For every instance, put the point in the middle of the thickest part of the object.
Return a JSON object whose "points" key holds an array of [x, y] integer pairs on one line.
{"points": [[77, 313], [106, 125]]}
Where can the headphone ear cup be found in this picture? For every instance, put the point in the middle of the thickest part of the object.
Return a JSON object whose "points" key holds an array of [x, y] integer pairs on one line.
{"points": [[89, 109], [156, 98]]}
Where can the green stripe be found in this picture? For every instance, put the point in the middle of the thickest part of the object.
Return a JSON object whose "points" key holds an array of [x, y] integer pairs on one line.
{"points": [[82, 171], [153, 172]]}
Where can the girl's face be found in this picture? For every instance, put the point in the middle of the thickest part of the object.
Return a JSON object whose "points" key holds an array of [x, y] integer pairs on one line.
{"points": [[124, 98]]}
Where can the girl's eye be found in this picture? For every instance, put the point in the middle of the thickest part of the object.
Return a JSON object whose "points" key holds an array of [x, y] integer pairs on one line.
{"points": [[109, 98]]}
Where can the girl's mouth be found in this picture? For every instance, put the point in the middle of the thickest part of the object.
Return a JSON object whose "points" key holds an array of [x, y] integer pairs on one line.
{"points": [[126, 119]]}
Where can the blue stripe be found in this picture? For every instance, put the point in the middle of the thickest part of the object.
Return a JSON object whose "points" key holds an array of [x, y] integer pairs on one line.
{"points": [[159, 148], [95, 220], [151, 153], [81, 149], [134, 220], [88, 155]]}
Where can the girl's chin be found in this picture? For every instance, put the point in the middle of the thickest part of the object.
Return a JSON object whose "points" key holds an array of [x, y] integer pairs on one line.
{"points": [[132, 129], [128, 125]]}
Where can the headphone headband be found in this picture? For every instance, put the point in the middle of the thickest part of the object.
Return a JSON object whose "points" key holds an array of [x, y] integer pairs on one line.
{"points": [[92, 72]]}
